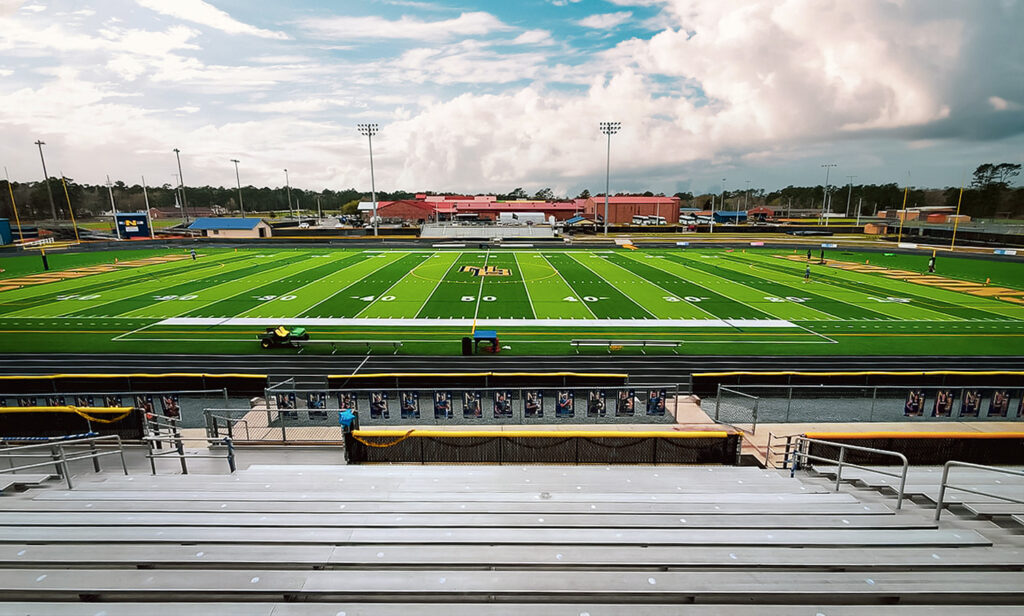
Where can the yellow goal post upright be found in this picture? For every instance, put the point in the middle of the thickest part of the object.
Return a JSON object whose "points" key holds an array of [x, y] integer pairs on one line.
{"points": [[71, 210], [14, 206]]}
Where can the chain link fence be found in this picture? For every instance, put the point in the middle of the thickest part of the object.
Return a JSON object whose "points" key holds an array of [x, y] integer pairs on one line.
{"points": [[749, 404]]}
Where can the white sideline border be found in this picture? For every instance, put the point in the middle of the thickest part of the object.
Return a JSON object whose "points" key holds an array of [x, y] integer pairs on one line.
{"points": [[414, 322]]}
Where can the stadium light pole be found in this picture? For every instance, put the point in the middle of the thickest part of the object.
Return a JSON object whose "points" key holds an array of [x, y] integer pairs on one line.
{"points": [[145, 197], [608, 128], [288, 189], [368, 131], [824, 197], [849, 194], [181, 185], [241, 208], [113, 206], [46, 179], [746, 198]]}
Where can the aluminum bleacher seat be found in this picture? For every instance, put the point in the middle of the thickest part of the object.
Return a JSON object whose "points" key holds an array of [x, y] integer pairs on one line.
{"points": [[492, 540]]}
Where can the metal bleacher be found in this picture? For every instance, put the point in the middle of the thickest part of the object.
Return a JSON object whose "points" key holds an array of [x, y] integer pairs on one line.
{"points": [[492, 540]]}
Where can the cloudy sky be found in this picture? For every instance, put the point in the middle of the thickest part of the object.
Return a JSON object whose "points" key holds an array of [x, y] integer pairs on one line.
{"points": [[483, 95]]}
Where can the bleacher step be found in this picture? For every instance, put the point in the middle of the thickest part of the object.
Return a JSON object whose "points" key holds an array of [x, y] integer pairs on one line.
{"points": [[457, 520], [505, 586], [490, 536]]}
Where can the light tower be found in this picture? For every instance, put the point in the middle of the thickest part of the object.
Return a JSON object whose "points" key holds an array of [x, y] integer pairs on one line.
{"points": [[608, 128], [181, 185], [241, 208], [288, 189], [46, 179], [824, 197], [368, 131]]}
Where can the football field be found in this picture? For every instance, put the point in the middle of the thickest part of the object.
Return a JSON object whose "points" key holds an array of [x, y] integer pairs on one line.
{"points": [[707, 301]]}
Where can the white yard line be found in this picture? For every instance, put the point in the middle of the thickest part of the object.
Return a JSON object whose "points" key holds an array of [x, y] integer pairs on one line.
{"points": [[663, 289], [480, 291], [533, 311], [343, 288], [273, 281], [401, 322], [822, 312], [613, 286], [753, 265], [439, 281], [568, 286], [135, 331], [385, 292]]}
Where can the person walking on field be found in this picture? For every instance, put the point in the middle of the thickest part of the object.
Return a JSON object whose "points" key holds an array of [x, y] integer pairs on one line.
{"points": [[807, 273], [193, 254]]}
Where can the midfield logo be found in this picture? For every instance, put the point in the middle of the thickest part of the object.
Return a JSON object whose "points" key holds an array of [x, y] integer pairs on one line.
{"points": [[489, 270]]}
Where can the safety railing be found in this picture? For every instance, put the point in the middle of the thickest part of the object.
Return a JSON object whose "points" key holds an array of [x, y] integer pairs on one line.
{"points": [[778, 447], [229, 424], [160, 430], [59, 456], [945, 483], [798, 447]]}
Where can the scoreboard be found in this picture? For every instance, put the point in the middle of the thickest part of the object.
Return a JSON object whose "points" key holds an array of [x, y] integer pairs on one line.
{"points": [[132, 225]]}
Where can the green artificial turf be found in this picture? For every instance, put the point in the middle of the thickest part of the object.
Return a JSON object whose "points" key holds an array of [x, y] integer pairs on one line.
{"points": [[712, 301]]}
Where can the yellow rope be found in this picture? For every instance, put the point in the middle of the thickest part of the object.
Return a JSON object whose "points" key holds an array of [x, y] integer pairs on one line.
{"points": [[384, 445], [124, 411]]}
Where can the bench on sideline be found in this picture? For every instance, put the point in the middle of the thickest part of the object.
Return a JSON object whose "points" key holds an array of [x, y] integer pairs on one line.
{"points": [[611, 344]]}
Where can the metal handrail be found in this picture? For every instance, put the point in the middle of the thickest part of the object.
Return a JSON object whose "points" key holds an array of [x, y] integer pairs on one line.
{"points": [[945, 483], [232, 421], [59, 457], [801, 442]]}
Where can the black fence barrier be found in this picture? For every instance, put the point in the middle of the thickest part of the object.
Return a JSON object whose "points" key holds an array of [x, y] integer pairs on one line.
{"points": [[433, 380], [927, 449], [62, 421], [526, 447], [236, 384], [705, 384]]}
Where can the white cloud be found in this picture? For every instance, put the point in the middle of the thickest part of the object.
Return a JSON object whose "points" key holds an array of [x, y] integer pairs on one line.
{"points": [[605, 21], [1001, 104], [187, 109], [533, 37], [346, 28], [203, 13]]}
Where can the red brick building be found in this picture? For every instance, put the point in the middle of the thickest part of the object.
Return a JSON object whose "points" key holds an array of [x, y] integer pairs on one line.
{"points": [[621, 210]]}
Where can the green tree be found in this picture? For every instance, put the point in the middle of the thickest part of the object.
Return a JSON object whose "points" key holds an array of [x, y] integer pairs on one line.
{"points": [[584, 195]]}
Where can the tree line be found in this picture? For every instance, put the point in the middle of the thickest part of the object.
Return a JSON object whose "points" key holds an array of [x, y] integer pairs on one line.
{"points": [[990, 194]]}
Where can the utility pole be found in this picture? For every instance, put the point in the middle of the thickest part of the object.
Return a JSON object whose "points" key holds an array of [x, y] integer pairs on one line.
{"points": [[746, 198], [860, 204], [113, 207], [288, 189], [319, 215], [46, 179], [368, 131], [849, 193], [241, 208], [609, 129], [824, 197], [181, 184], [149, 219]]}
